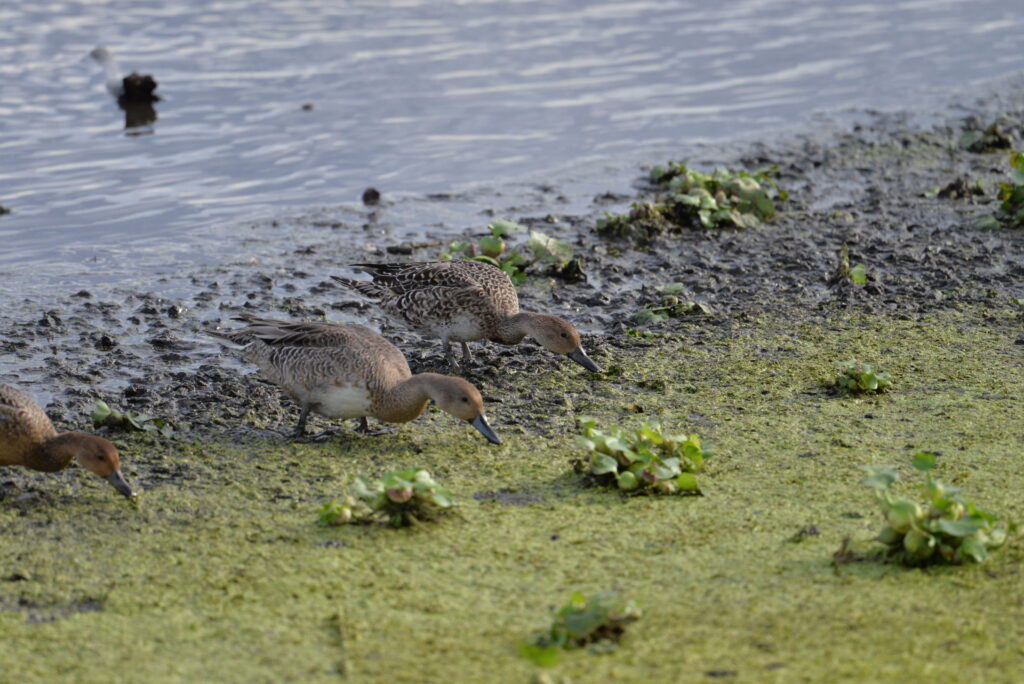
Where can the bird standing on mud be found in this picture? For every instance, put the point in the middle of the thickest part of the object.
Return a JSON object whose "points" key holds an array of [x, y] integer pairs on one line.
{"points": [[462, 301], [28, 438], [349, 371]]}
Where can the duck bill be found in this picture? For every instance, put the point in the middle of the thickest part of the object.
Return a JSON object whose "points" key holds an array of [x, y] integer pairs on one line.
{"points": [[580, 357], [117, 481], [480, 423]]}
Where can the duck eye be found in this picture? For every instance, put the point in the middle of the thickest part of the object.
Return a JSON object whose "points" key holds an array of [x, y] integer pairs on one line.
{"points": [[564, 335], [101, 457], [465, 400]]}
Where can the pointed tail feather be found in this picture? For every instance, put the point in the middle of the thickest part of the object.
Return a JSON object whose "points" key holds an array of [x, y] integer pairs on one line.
{"points": [[363, 287], [231, 340]]}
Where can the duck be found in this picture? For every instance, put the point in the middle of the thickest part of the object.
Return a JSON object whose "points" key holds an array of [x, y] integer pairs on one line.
{"points": [[133, 88], [28, 439], [463, 301], [346, 370]]}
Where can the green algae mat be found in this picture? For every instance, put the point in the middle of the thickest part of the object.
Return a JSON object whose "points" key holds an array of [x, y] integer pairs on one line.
{"points": [[222, 573]]}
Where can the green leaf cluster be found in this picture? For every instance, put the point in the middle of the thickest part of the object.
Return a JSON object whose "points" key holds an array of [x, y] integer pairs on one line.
{"points": [[492, 249], [671, 306], [988, 140], [720, 199], [400, 498], [104, 416], [1011, 199], [598, 622], [945, 529], [857, 377], [644, 461]]}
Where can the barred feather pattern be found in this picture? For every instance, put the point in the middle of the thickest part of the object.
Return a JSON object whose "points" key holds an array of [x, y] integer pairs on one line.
{"points": [[328, 366], [459, 300]]}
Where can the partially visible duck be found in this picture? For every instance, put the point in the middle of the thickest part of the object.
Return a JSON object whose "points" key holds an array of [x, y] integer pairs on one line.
{"points": [[462, 301], [133, 88], [349, 371], [28, 438]]}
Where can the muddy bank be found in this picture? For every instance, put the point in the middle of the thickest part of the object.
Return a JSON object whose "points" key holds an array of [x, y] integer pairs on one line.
{"points": [[871, 188]]}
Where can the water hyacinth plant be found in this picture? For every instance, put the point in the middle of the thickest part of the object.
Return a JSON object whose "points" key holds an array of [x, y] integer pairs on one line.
{"points": [[672, 305], [946, 529], [399, 498], [598, 622], [104, 416], [856, 377], [646, 461], [493, 249], [721, 198]]}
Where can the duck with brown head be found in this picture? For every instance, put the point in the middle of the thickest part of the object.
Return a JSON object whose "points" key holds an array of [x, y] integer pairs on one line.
{"points": [[349, 371], [28, 439], [462, 301]]}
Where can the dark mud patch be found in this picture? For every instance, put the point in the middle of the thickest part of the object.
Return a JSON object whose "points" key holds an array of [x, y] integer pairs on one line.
{"points": [[509, 498]]}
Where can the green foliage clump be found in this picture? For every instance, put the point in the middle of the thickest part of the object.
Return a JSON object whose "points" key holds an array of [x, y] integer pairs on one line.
{"points": [[104, 416], [598, 622], [946, 529], [690, 198], [400, 498], [988, 140], [671, 305], [1011, 199], [857, 377], [644, 461], [493, 249]]}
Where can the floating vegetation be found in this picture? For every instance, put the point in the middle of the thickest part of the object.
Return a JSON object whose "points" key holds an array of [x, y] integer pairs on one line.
{"points": [[857, 377], [644, 461], [946, 529], [400, 498], [671, 305], [692, 199], [540, 249], [597, 623], [104, 416]]}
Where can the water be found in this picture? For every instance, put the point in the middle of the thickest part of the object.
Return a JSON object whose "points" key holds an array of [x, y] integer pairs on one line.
{"points": [[414, 97]]}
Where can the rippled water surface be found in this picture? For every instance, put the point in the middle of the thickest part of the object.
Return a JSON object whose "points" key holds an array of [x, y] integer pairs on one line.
{"points": [[416, 96]]}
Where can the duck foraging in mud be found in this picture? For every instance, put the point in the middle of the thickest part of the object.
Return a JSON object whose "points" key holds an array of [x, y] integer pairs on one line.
{"points": [[349, 371], [462, 301], [28, 439]]}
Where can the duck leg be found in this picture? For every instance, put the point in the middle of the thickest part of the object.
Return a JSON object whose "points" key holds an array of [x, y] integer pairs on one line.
{"points": [[300, 428], [467, 356], [453, 365], [364, 427]]}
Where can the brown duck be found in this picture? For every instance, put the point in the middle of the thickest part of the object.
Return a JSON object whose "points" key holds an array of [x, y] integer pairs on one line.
{"points": [[462, 301], [349, 371], [28, 438]]}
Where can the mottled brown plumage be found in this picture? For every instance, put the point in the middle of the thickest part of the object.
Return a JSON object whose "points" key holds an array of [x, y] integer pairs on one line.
{"points": [[28, 438], [349, 371], [462, 301]]}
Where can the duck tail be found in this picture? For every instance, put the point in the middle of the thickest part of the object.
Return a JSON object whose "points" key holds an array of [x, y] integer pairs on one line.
{"points": [[364, 287], [231, 340]]}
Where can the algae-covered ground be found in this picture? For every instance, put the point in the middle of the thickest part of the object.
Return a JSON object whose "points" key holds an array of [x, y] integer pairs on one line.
{"points": [[222, 573], [225, 576]]}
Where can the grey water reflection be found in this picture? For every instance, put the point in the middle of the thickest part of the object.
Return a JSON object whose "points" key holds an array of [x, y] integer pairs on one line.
{"points": [[416, 96]]}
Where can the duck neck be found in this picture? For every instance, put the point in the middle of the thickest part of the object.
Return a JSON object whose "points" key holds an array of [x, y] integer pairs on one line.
{"points": [[513, 329], [406, 400], [55, 453]]}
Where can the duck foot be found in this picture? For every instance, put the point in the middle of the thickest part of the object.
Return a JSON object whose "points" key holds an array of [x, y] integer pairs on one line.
{"points": [[364, 429]]}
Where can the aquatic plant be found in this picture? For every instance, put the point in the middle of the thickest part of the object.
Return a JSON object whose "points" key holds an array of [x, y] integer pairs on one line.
{"points": [[857, 274], [400, 498], [493, 249], [690, 198], [985, 140], [104, 416], [1011, 199], [644, 461], [671, 305], [598, 622], [945, 529], [857, 377]]}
